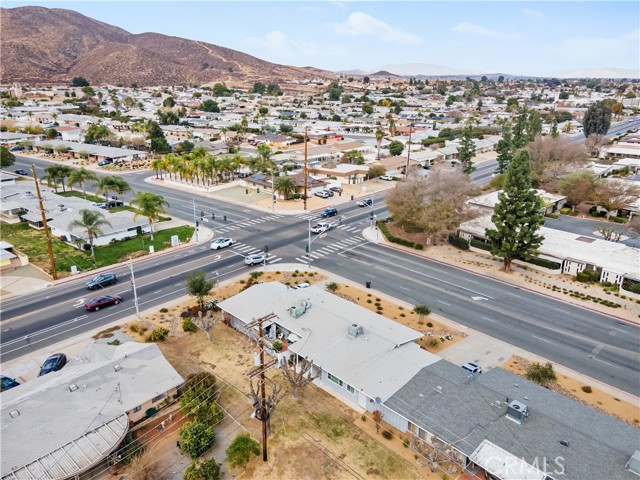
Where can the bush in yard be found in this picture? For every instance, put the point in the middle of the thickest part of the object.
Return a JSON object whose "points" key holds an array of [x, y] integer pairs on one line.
{"points": [[207, 470], [387, 434], [541, 374], [480, 244], [565, 211], [188, 325], [458, 242], [586, 389], [196, 438], [541, 262], [199, 399], [160, 334], [241, 449], [582, 277]]}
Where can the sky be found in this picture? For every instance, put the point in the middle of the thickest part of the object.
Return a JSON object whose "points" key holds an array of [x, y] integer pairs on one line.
{"points": [[513, 37]]}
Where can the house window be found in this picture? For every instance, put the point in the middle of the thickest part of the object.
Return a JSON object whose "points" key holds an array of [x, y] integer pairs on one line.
{"points": [[159, 397], [422, 434], [137, 409], [351, 390], [334, 379]]}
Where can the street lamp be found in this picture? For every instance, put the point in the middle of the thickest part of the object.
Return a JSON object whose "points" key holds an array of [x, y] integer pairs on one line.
{"points": [[133, 287]]}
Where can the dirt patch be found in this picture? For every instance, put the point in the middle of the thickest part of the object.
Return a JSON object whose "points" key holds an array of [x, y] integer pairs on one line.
{"points": [[107, 333], [572, 388]]}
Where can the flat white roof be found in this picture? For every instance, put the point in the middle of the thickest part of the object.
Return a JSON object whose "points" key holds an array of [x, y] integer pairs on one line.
{"points": [[378, 362], [491, 199], [505, 466]]}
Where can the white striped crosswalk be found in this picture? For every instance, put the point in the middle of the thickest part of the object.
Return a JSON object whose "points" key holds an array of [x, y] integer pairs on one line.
{"points": [[245, 249]]}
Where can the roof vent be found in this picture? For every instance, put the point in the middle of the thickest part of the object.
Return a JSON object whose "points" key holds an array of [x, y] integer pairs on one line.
{"points": [[355, 330], [297, 311], [517, 411], [73, 387], [117, 367], [439, 389], [564, 443], [14, 413]]}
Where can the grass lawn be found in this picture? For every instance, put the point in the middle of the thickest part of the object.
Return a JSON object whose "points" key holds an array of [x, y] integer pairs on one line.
{"points": [[96, 199], [33, 243]]}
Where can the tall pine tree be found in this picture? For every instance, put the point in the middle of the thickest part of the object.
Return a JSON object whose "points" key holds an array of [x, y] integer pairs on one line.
{"points": [[534, 125], [517, 216], [504, 149], [467, 150], [520, 130]]}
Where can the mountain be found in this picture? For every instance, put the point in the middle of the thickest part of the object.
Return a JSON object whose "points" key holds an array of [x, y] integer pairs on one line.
{"points": [[52, 45], [426, 69], [600, 73]]}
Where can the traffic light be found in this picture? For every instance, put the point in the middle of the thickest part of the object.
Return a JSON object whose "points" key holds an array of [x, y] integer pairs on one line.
{"points": [[213, 216], [266, 249], [202, 213]]}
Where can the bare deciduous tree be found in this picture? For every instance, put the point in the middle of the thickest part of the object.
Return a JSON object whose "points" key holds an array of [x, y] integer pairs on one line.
{"points": [[609, 233], [614, 195], [552, 158], [577, 187], [206, 322], [594, 143], [377, 418], [272, 401], [300, 379], [146, 467]]}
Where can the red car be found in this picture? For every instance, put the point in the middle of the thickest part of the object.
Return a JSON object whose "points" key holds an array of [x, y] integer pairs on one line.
{"points": [[101, 302]]}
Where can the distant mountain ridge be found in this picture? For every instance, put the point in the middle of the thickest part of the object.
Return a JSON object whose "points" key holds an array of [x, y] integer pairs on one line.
{"points": [[51, 45]]}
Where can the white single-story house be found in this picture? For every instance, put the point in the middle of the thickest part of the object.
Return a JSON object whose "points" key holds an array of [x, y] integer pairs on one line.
{"points": [[13, 138], [345, 173], [60, 425], [552, 202], [94, 152]]}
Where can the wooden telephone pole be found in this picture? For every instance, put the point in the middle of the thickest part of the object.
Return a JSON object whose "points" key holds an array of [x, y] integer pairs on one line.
{"points": [[54, 274], [264, 407], [305, 168]]}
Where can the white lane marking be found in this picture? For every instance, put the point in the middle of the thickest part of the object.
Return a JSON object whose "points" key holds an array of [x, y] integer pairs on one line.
{"points": [[157, 291], [607, 363], [488, 319], [368, 275], [405, 288], [445, 303], [478, 298], [543, 339], [275, 261]]}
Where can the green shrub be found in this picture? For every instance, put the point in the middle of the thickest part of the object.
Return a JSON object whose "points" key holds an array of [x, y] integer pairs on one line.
{"points": [[480, 244], [565, 211], [541, 262], [429, 324], [188, 325], [586, 389], [160, 334], [387, 434], [164, 310], [458, 242], [405, 443], [618, 219], [419, 246], [553, 215], [582, 277], [632, 287]]}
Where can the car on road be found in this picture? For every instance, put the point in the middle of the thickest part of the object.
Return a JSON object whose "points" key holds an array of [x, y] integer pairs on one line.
{"points": [[7, 383], [96, 304], [388, 178], [21, 171], [367, 202], [18, 148], [102, 280], [52, 364], [254, 259], [106, 161], [322, 194], [321, 227], [329, 212], [472, 367], [219, 243]]}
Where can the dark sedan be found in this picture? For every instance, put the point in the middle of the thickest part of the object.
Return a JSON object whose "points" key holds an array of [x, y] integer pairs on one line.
{"points": [[21, 171], [102, 280], [96, 304], [7, 382], [54, 363]]}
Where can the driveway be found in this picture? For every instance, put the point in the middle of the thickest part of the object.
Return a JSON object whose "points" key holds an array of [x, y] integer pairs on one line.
{"points": [[588, 227]]}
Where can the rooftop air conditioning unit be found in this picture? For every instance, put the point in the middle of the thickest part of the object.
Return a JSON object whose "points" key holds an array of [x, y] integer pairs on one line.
{"points": [[517, 411], [355, 330]]}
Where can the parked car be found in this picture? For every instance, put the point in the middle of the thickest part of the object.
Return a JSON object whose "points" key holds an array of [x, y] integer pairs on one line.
{"points": [[21, 171], [102, 280], [322, 194], [255, 258], [96, 304], [106, 161], [386, 177], [336, 189], [367, 202], [18, 148], [426, 166], [329, 212], [114, 203], [301, 285], [329, 192], [219, 243], [321, 227], [7, 383], [99, 204], [472, 367], [52, 364]]}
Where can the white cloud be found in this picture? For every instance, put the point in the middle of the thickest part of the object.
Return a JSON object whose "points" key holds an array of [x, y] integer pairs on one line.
{"points": [[601, 52], [467, 28], [360, 23], [278, 44], [532, 13]]}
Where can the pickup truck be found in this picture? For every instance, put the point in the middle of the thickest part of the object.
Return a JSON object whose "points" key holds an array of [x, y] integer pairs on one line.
{"points": [[321, 227]]}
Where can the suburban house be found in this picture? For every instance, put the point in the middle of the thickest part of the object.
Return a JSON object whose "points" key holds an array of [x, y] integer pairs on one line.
{"points": [[11, 259], [487, 202], [621, 150], [9, 139], [60, 425], [93, 152], [345, 173], [615, 262], [494, 426], [396, 165]]}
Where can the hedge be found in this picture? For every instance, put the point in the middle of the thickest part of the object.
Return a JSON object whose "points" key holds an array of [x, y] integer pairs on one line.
{"points": [[392, 238], [632, 287], [565, 211], [553, 215], [618, 219], [541, 262], [480, 244], [458, 242]]}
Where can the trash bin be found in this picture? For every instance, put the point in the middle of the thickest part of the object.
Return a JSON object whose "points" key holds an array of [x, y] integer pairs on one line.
{"points": [[368, 284], [352, 197]]}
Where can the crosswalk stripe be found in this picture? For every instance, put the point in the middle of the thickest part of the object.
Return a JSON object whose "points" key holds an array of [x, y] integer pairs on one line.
{"points": [[342, 226], [302, 260], [315, 255], [246, 248], [331, 248], [275, 261], [253, 250]]}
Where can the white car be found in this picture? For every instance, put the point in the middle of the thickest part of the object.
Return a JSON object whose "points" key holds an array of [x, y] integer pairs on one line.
{"points": [[386, 177], [254, 258], [219, 243], [322, 194], [321, 227]]}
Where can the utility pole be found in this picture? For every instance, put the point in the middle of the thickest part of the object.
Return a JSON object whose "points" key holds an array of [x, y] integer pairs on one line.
{"points": [[195, 219], [309, 247], [406, 172], [133, 286], [305, 168], [47, 233], [263, 408]]}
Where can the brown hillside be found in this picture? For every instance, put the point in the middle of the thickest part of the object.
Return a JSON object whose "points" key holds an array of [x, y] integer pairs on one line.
{"points": [[43, 45]]}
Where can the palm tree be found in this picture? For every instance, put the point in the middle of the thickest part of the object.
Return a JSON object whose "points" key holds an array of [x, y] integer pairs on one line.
{"points": [[111, 183], [379, 138], [156, 164], [286, 186], [151, 206], [212, 166], [57, 174], [80, 176], [90, 221]]}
